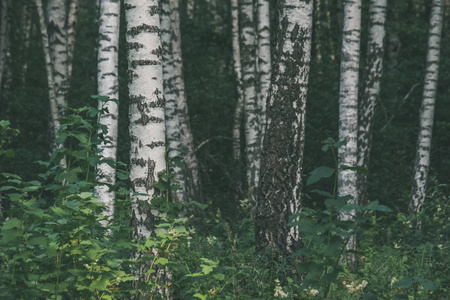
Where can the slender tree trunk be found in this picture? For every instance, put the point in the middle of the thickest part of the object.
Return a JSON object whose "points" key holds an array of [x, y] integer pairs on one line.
{"points": [[173, 138], [370, 90], [57, 33], [71, 30], [264, 63], [4, 36], [348, 108], [281, 169], [238, 72], [108, 85], [147, 130], [252, 126], [49, 68], [422, 161], [193, 186]]}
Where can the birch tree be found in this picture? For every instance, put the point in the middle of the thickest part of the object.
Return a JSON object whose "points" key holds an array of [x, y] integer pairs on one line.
{"points": [[238, 73], [422, 161], [108, 85], [370, 89], [49, 68], [348, 107], [146, 113], [193, 186], [173, 133], [281, 169], [248, 52], [57, 36], [264, 62]]}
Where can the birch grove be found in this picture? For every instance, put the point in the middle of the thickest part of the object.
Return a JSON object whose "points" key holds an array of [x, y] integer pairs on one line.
{"points": [[281, 168], [108, 85], [422, 161]]}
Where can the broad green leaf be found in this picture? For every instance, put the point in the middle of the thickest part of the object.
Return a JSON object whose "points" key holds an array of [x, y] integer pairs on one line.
{"points": [[319, 173], [161, 260], [219, 276], [202, 297], [11, 223]]}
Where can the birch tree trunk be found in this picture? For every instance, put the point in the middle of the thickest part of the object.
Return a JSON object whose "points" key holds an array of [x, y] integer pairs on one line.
{"points": [[71, 31], [348, 108], [238, 72], [281, 169], [171, 108], [108, 85], [370, 90], [264, 62], [147, 130], [422, 161], [252, 133], [57, 36], [193, 186], [4, 36], [49, 67]]}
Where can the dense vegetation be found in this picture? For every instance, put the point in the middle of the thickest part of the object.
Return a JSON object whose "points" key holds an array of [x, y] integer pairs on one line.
{"points": [[53, 246]]}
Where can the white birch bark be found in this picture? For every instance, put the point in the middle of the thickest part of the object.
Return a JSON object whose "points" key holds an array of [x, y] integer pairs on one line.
{"points": [[264, 65], [147, 129], [370, 89], [49, 67], [248, 56], [56, 20], [71, 30], [108, 85], [173, 138], [348, 101], [348, 110], [192, 179], [281, 169], [238, 72], [422, 161], [4, 36]]}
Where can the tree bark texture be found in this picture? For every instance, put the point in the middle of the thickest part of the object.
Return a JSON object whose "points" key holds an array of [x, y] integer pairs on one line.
{"points": [[238, 73], [281, 169], [108, 85], [146, 114], [348, 111], [264, 62], [193, 186], [348, 101], [370, 90], [173, 138], [49, 68], [248, 56], [57, 34], [422, 161]]}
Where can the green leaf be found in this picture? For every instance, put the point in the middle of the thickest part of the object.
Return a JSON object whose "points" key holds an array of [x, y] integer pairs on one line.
{"points": [[161, 260], [404, 283], [11, 223], [99, 285], [219, 276], [319, 173], [202, 297]]}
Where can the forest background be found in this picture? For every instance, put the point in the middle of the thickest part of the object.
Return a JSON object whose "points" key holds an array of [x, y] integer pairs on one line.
{"points": [[389, 252]]}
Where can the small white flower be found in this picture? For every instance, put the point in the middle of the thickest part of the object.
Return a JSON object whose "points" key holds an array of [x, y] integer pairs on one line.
{"points": [[313, 292], [278, 292]]}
